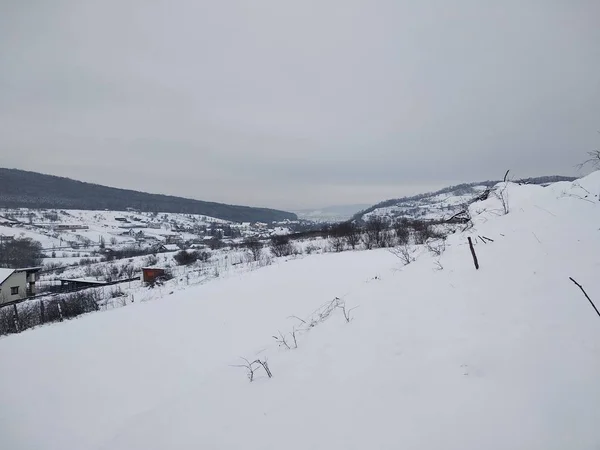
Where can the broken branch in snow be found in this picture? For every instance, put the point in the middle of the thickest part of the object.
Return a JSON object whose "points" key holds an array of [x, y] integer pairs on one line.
{"points": [[586, 296], [475, 261]]}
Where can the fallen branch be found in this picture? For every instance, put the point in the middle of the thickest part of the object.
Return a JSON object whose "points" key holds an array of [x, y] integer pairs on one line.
{"points": [[586, 296]]}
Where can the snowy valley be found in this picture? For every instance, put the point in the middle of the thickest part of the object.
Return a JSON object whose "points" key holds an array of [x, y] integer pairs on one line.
{"points": [[403, 347]]}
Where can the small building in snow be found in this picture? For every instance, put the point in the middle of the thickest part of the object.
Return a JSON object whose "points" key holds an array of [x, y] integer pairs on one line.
{"points": [[17, 284], [168, 248], [151, 274], [77, 284]]}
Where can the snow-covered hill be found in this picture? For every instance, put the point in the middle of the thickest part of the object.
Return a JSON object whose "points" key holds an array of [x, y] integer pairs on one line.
{"points": [[436, 354], [442, 204], [66, 229], [336, 213]]}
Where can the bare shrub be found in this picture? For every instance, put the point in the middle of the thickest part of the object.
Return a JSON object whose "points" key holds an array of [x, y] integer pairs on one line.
{"points": [[281, 246], [311, 248], [347, 312], [185, 258], [282, 341], [252, 367], [436, 247], [150, 260], [404, 253], [501, 194], [7, 321]]}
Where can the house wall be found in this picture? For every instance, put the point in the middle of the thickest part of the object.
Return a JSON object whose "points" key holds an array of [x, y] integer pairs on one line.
{"points": [[16, 279]]}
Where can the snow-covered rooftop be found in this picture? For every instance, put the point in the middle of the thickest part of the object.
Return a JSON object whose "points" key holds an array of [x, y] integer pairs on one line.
{"points": [[4, 274]]}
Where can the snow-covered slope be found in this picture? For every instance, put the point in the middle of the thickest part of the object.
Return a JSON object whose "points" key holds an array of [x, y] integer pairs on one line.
{"points": [[45, 226], [336, 213], [506, 357], [441, 204]]}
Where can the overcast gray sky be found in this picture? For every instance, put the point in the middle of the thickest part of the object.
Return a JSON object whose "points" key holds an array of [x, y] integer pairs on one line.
{"points": [[294, 104]]}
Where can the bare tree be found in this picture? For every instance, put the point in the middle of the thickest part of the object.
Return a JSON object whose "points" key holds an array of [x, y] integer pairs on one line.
{"points": [[348, 232], [374, 230], [402, 231], [353, 236], [423, 231], [20, 252], [338, 243], [255, 247], [593, 160]]}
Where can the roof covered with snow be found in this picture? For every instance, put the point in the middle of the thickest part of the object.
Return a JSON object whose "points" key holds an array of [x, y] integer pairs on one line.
{"points": [[4, 274]]}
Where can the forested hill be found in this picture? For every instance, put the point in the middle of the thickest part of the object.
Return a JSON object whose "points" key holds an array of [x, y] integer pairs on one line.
{"points": [[25, 189]]}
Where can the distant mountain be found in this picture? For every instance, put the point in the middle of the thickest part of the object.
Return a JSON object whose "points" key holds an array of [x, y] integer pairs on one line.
{"points": [[331, 213], [443, 203], [19, 188]]}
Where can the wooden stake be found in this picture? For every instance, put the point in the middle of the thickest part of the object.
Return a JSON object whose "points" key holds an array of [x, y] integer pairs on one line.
{"points": [[473, 254]]}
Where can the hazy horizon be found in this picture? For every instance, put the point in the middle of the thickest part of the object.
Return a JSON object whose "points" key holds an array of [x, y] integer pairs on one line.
{"points": [[298, 105]]}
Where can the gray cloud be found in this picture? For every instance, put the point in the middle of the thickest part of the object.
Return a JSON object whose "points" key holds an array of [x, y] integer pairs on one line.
{"points": [[298, 104]]}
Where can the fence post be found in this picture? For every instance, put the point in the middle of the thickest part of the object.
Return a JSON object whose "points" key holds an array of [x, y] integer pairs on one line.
{"points": [[42, 312], [16, 317], [473, 253], [60, 310]]}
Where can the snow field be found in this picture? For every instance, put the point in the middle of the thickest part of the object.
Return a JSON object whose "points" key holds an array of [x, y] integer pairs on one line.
{"points": [[507, 357]]}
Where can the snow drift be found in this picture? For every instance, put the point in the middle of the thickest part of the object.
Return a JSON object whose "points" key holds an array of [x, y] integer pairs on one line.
{"points": [[506, 357]]}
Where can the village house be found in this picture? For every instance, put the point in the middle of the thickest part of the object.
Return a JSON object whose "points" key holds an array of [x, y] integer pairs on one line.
{"points": [[17, 284], [168, 248]]}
